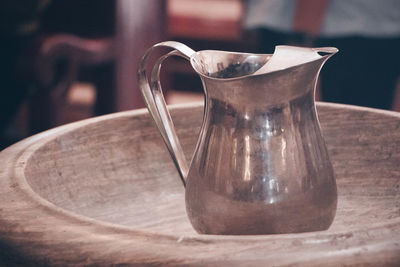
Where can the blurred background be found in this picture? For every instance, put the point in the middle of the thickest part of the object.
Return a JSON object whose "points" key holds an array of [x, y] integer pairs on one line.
{"points": [[67, 60]]}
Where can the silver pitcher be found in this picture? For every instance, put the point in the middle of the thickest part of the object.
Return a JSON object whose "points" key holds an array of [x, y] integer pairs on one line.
{"points": [[260, 165]]}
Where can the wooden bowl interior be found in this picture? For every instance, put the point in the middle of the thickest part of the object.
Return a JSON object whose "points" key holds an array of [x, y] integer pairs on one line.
{"points": [[119, 171]]}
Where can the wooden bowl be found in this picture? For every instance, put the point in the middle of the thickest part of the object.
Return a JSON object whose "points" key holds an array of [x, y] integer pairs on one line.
{"points": [[104, 191]]}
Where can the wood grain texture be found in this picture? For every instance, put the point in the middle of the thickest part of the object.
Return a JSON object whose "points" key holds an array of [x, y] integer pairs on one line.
{"points": [[104, 191]]}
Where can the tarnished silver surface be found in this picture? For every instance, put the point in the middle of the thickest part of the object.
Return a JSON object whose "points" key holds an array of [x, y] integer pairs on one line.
{"points": [[261, 165]]}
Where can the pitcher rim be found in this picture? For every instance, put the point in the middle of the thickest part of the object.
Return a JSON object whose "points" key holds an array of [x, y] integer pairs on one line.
{"points": [[328, 52]]}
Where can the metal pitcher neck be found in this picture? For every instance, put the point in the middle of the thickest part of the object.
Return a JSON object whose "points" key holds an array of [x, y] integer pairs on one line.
{"points": [[260, 79], [270, 89]]}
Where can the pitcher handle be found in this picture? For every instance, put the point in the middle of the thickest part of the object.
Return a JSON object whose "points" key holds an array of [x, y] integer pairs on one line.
{"points": [[155, 102]]}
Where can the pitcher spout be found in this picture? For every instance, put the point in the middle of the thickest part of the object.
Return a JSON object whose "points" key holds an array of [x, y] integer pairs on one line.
{"points": [[291, 72], [286, 57]]}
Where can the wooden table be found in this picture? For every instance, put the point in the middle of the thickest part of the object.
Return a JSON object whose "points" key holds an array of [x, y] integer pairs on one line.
{"points": [[104, 191]]}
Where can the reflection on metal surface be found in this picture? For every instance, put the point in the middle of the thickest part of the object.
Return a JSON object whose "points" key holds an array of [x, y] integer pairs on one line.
{"points": [[260, 165], [247, 159]]}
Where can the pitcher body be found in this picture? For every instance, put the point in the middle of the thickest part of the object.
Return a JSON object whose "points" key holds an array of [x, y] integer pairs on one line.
{"points": [[260, 165]]}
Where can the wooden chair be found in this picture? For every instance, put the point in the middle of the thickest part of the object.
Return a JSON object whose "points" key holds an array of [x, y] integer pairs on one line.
{"points": [[109, 63]]}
